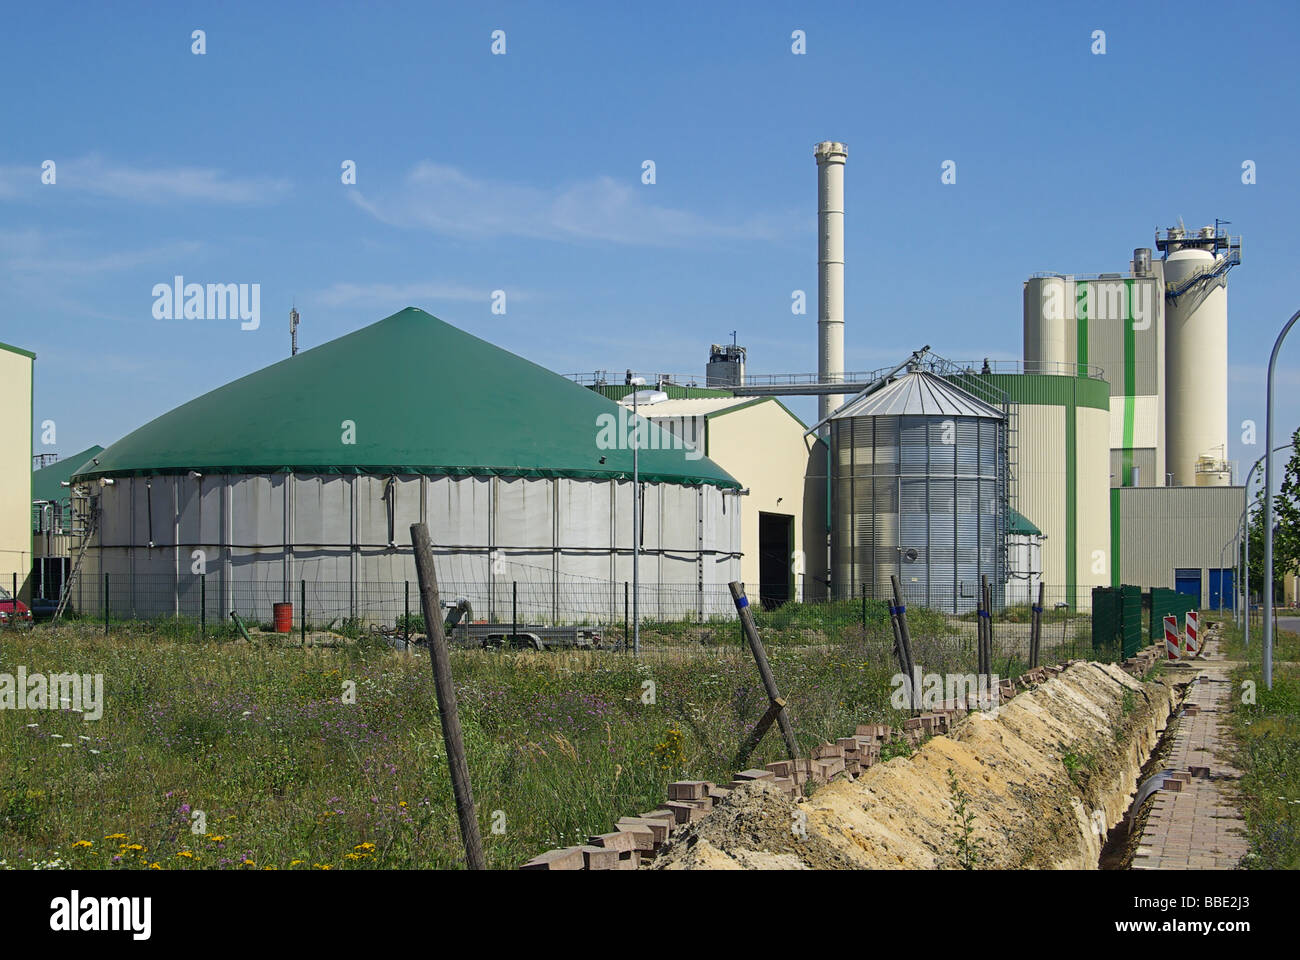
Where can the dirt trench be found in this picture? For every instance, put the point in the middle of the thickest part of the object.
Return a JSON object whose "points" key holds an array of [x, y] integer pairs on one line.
{"points": [[1045, 777]]}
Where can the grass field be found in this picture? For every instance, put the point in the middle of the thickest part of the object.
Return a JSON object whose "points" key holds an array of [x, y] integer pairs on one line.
{"points": [[220, 754], [1268, 737]]}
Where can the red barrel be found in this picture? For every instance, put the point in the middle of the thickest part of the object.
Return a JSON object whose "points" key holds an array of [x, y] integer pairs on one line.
{"points": [[284, 618]]}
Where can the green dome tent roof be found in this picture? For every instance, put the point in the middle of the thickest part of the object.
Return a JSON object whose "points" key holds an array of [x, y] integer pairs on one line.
{"points": [[47, 482], [424, 397]]}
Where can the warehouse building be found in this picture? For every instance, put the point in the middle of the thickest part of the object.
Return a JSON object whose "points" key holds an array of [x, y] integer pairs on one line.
{"points": [[314, 468], [16, 398], [766, 448]]}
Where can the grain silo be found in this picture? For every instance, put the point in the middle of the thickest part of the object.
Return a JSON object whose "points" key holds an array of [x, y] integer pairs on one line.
{"points": [[314, 468], [919, 488]]}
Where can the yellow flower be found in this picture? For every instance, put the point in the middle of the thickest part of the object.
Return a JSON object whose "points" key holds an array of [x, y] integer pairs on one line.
{"points": [[322, 866], [83, 843], [186, 853], [352, 856], [116, 836], [364, 846], [294, 863], [247, 863], [401, 803], [217, 837], [154, 866]]}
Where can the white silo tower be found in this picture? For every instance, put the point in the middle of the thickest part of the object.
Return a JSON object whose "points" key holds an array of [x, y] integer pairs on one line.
{"points": [[830, 157], [1196, 354], [1048, 307]]}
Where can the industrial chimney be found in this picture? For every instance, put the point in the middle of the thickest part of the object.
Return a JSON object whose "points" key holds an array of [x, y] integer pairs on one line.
{"points": [[830, 270]]}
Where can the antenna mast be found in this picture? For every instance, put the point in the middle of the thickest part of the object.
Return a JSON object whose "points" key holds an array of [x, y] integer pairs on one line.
{"points": [[293, 331]]}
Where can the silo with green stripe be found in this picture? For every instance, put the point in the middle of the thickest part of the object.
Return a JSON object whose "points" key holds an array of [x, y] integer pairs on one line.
{"points": [[1110, 326], [1060, 465]]}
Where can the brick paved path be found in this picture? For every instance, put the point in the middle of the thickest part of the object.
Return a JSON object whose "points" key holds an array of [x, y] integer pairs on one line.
{"points": [[1198, 827]]}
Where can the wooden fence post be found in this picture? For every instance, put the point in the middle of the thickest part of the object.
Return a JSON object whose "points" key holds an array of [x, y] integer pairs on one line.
{"points": [[777, 704], [447, 711]]}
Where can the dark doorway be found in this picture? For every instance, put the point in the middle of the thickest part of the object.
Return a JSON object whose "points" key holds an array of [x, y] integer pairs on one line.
{"points": [[775, 545]]}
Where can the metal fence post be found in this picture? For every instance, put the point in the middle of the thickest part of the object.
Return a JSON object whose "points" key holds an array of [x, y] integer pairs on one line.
{"points": [[406, 618], [514, 610], [626, 645], [106, 604], [864, 607], [203, 605], [302, 615]]}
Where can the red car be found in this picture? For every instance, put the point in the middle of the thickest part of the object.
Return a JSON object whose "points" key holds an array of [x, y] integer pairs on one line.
{"points": [[11, 610]]}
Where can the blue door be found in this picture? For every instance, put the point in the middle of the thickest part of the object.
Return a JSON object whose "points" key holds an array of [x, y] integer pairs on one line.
{"points": [[1188, 581], [1221, 588]]}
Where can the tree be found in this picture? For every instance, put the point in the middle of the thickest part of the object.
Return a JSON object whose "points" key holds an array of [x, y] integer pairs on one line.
{"points": [[1286, 525]]}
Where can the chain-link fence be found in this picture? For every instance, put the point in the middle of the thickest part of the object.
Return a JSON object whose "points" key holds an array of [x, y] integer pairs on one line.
{"points": [[852, 619]]}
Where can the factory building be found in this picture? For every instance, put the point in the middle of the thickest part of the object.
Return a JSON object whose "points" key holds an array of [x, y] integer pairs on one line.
{"points": [[1179, 537], [766, 448], [314, 468], [16, 369], [1158, 337]]}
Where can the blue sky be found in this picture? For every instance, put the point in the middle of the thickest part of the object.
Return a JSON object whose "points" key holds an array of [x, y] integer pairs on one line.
{"points": [[522, 173]]}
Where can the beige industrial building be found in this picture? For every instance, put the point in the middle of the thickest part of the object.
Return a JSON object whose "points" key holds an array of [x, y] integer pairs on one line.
{"points": [[16, 468], [1181, 537], [783, 474], [1158, 337]]}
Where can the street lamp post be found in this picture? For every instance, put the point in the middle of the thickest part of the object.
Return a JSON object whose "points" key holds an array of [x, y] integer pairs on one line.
{"points": [[1243, 528], [636, 517], [1268, 505]]}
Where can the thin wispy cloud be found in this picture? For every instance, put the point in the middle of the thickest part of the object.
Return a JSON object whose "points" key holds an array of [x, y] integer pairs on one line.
{"points": [[446, 200], [96, 176], [44, 262]]}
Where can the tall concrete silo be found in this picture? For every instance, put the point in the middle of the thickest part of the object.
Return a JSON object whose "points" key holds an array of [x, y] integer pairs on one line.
{"points": [[919, 490], [1196, 355]]}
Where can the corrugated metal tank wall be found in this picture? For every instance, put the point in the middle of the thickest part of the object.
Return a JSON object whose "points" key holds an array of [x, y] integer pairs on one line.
{"points": [[898, 485], [341, 532]]}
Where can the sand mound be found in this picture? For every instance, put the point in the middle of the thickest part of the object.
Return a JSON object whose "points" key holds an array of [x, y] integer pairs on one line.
{"points": [[1046, 776]]}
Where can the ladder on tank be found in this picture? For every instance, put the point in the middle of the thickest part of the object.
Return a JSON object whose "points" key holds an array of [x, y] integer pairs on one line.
{"points": [[89, 531]]}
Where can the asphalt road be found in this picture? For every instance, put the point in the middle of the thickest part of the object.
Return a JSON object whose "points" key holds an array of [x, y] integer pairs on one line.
{"points": [[1291, 624]]}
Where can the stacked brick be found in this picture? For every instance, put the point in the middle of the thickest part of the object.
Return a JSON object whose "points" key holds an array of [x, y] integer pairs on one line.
{"points": [[641, 838]]}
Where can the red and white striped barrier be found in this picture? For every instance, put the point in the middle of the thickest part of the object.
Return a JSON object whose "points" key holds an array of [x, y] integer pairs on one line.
{"points": [[1193, 633], [1171, 638]]}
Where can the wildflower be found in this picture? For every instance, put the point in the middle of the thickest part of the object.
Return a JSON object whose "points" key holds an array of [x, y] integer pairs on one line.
{"points": [[154, 866], [83, 843], [217, 837], [364, 846], [116, 836], [323, 866], [187, 854], [294, 863]]}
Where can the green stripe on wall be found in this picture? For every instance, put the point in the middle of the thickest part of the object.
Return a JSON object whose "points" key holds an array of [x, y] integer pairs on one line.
{"points": [[1130, 390], [1071, 497], [1114, 537], [1081, 329]]}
